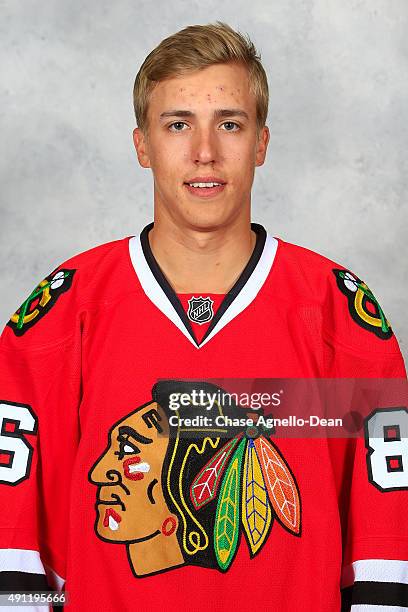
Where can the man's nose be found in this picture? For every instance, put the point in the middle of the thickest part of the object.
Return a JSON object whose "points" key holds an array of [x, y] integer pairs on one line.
{"points": [[205, 148]]}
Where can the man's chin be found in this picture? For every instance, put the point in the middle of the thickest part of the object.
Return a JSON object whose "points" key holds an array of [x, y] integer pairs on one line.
{"points": [[206, 217]]}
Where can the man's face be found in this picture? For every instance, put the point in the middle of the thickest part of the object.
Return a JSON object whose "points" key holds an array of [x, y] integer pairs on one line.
{"points": [[198, 142]]}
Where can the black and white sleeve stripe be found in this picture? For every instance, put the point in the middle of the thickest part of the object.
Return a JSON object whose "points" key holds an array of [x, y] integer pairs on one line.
{"points": [[375, 585], [23, 570]]}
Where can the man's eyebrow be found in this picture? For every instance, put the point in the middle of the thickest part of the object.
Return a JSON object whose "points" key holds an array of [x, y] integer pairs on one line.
{"points": [[125, 429], [218, 113]]}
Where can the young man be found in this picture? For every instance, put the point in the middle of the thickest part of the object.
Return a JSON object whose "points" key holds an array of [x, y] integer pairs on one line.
{"points": [[105, 489]]}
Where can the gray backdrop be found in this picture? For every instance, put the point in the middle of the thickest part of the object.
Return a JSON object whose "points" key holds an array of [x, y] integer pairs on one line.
{"points": [[335, 179]]}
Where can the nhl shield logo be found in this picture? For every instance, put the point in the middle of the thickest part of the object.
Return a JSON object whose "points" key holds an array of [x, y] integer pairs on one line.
{"points": [[200, 309]]}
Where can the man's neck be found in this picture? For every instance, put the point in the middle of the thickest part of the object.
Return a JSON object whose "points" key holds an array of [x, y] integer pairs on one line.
{"points": [[195, 261]]}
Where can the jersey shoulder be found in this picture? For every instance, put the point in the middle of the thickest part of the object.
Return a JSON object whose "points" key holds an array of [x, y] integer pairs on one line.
{"points": [[351, 315], [51, 312]]}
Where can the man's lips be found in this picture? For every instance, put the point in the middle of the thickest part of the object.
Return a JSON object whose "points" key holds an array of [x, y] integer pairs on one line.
{"points": [[205, 192], [205, 179]]}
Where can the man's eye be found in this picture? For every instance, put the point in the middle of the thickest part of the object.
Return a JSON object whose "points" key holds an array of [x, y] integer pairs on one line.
{"points": [[231, 123], [177, 123], [181, 123]]}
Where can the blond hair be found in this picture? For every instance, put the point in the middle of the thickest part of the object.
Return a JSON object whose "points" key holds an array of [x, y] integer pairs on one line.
{"points": [[194, 48]]}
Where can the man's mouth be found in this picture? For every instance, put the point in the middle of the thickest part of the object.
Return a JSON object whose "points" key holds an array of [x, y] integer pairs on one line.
{"points": [[205, 189]]}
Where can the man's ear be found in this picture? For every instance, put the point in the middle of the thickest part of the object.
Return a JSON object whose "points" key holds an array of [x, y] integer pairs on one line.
{"points": [[262, 146], [140, 142]]}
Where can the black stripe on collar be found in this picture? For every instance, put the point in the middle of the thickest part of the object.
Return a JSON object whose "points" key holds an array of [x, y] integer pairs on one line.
{"points": [[243, 278], [162, 280], [229, 297]]}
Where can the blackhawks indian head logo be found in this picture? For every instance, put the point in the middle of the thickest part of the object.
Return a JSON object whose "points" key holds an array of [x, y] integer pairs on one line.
{"points": [[175, 500], [40, 300], [363, 306]]}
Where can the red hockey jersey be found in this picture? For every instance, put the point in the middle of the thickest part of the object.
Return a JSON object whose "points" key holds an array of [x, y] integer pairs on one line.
{"points": [[104, 493]]}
